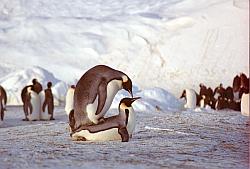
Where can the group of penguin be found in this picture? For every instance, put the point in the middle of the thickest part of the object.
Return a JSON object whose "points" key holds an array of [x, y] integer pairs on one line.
{"points": [[88, 102], [86, 105], [38, 104], [235, 97]]}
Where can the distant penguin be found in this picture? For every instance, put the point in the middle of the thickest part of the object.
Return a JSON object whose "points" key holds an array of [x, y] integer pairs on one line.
{"points": [[1, 113], [3, 101], [23, 97], [32, 105], [95, 92], [191, 98], [69, 101], [47, 103], [119, 127], [37, 87], [3, 97], [245, 104]]}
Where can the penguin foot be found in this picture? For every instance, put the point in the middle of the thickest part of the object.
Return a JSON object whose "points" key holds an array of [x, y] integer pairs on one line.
{"points": [[52, 118], [124, 134], [79, 138], [101, 120], [26, 119]]}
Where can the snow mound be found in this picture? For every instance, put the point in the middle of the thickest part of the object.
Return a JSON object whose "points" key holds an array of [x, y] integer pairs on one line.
{"points": [[152, 99], [15, 82], [157, 99]]}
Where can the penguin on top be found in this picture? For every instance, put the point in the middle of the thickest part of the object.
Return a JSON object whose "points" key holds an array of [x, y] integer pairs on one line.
{"points": [[95, 92], [47, 103]]}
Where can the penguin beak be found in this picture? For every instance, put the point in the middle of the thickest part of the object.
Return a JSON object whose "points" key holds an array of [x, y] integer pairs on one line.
{"points": [[134, 99], [130, 91]]}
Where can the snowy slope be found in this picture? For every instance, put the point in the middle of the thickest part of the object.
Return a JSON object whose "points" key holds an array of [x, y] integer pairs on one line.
{"points": [[172, 44]]}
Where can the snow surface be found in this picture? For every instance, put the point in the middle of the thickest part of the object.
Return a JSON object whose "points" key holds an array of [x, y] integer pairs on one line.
{"points": [[164, 46], [162, 139], [172, 44]]}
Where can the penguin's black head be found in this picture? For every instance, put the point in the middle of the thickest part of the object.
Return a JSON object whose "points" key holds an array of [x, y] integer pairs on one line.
{"points": [[183, 95], [34, 81], [127, 84], [49, 84], [128, 101]]}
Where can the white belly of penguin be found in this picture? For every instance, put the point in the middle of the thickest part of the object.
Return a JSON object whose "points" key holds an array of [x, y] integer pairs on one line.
{"points": [[44, 115], [131, 121], [69, 105], [190, 99], [36, 107], [112, 88], [106, 135]]}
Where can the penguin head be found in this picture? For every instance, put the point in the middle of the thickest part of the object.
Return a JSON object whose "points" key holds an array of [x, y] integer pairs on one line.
{"points": [[127, 84], [183, 95], [126, 103], [49, 84], [34, 81]]}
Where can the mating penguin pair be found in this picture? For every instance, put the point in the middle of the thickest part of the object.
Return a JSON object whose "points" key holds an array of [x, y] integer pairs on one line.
{"points": [[95, 92], [119, 127]]}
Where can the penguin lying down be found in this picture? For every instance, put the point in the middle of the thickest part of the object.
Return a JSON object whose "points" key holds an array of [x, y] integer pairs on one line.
{"points": [[118, 127]]}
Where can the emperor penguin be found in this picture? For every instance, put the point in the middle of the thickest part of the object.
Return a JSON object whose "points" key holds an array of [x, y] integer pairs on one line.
{"points": [[47, 103], [190, 97], [69, 101], [3, 97], [95, 92], [3, 101], [37, 87], [245, 104], [32, 105], [118, 127]]}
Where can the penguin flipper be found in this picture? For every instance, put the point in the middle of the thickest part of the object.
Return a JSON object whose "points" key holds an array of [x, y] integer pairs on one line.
{"points": [[102, 95], [1, 111], [124, 134]]}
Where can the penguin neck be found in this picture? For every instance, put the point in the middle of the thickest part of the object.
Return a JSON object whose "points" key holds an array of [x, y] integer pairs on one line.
{"points": [[113, 87], [130, 119]]}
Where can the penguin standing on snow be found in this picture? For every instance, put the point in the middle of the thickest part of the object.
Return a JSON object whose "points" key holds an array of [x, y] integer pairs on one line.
{"points": [[32, 105], [191, 98], [95, 92], [47, 102], [245, 104], [119, 127], [37, 87], [69, 101], [3, 101]]}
